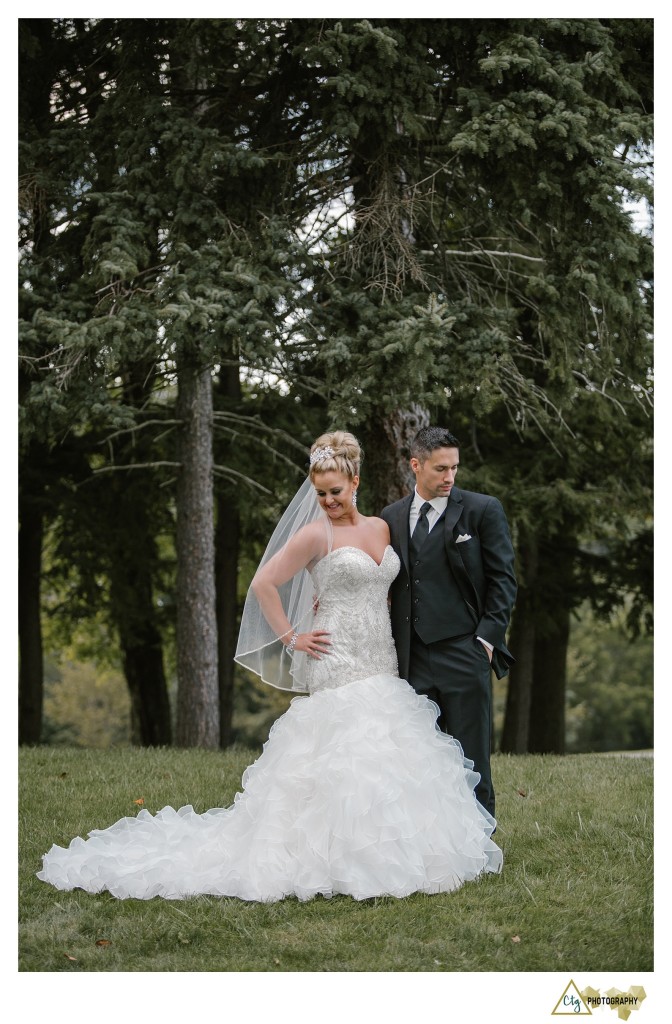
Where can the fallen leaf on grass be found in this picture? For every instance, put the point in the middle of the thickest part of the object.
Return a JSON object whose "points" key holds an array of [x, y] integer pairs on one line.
{"points": [[103, 942], [521, 792], [275, 960], [140, 801], [515, 938], [63, 775], [68, 957]]}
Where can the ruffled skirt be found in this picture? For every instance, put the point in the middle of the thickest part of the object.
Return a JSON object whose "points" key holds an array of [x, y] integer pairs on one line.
{"points": [[356, 792]]}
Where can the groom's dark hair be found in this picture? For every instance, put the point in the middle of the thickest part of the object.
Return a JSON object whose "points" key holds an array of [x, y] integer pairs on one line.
{"points": [[430, 438]]}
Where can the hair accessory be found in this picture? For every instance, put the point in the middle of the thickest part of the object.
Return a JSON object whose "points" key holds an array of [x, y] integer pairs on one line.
{"points": [[320, 454]]}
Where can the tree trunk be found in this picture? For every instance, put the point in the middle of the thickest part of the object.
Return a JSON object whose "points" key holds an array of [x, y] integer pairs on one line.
{"points": [[227, 544], [386, 437], [515, 734], [386, 440], [150, 709], [197, 683], [34, 101], [519, 694], [140, 641], [226, 571], [31, 670], [557, 562], [132, 561], [547, 712]]}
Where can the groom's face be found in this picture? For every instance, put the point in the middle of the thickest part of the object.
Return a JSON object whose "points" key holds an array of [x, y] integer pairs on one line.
{"points": [[434, 478]]}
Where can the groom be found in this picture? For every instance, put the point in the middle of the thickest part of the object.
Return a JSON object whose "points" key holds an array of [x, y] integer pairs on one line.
{"points": [[452, 599]]}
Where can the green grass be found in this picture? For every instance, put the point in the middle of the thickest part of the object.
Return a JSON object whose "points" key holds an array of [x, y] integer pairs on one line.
{"points": [[576, 892]]}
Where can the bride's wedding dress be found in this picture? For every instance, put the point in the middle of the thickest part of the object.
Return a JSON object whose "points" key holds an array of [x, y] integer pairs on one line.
{"points": [[356, 790]]}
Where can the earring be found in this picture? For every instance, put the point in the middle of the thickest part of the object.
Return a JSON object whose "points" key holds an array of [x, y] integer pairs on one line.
{"points": [[354, 498]]}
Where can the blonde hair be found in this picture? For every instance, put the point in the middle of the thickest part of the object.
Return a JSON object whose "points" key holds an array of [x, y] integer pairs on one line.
{"points": [[346, 457]]}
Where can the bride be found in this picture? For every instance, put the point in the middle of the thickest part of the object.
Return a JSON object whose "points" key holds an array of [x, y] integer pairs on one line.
{"points": [[356, 791]]}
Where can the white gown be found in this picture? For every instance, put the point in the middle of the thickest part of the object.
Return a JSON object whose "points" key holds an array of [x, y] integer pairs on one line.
{"points": [[356, 790]]}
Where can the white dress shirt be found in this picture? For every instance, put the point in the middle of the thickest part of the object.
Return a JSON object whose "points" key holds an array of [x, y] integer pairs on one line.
{"points": [[437, 509]]}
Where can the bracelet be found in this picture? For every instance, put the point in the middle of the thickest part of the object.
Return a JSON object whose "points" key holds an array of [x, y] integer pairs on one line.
{"points": [[292, 643]]}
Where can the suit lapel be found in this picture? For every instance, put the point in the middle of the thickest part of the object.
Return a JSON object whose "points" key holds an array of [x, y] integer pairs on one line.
{"points": [[401, 527], [454, 510]]}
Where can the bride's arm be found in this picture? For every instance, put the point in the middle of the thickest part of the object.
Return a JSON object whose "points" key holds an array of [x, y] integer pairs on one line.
{"points": [[305, 547]]}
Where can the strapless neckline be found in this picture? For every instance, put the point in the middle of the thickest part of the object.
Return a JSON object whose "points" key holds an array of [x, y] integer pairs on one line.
{"points": [[351, 547]]}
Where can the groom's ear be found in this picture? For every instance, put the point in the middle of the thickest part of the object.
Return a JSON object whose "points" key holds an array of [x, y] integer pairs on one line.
{"points": [[415, 465]]}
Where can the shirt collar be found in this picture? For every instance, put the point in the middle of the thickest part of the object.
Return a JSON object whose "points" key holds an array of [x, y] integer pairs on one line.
{"points": [[438, 504]]}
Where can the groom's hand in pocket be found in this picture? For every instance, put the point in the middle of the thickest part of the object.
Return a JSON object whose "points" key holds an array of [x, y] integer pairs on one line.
{"points": [[488, 650]]}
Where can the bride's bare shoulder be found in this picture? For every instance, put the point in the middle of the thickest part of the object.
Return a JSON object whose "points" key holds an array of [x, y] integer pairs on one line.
{"points": [[311, 534], [380, 526]]}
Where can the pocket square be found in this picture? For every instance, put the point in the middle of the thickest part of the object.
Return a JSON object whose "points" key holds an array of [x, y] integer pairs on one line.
{"points": [[463, 536]]}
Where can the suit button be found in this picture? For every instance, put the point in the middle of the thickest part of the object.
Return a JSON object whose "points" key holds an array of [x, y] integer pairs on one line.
{"points": [[416, 619], [415, 600], [417, 581]]}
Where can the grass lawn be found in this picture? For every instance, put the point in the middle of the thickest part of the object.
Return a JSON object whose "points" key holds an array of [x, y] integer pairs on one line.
{"points": [[576, 892]]}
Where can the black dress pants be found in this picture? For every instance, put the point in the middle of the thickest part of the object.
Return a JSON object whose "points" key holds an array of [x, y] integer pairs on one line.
{"points": [[455, 674]]}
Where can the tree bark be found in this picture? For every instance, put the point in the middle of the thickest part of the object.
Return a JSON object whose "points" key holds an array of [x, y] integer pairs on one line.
{"points": [[35, 120], [515, 734], [557, 561], [31, 670], [386, 440], [227, 545], [226, 572], [140, 639], [549, 687], [131, 537], [197, 682], [150, 709]]}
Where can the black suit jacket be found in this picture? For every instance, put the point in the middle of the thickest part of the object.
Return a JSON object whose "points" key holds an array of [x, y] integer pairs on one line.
{"points": [[483, 568]]}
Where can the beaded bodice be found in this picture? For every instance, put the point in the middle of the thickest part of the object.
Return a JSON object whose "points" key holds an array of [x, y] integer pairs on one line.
{"points": [[353, 591]]}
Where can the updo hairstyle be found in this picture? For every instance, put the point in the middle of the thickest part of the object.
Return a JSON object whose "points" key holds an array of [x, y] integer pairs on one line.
{"points": [[347, 455]]}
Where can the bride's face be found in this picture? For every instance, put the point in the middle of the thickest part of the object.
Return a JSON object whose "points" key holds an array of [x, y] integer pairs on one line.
{"points": [[334, 492]]}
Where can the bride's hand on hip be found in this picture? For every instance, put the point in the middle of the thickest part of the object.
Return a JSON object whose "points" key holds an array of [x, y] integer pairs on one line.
{"points": [[313, 643]]}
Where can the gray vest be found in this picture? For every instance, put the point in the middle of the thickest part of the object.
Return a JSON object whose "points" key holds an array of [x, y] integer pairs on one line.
{"points": [[438, 610]]}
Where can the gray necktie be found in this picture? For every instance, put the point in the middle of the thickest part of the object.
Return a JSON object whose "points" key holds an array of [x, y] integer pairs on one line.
{"points": [[421, 530]]}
